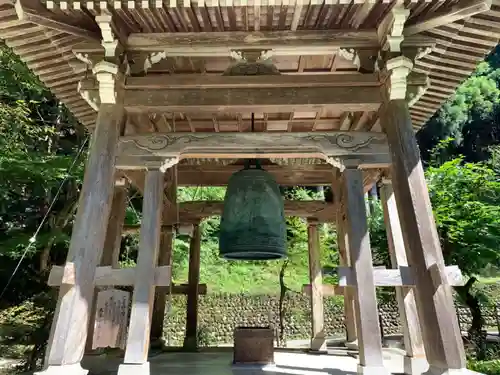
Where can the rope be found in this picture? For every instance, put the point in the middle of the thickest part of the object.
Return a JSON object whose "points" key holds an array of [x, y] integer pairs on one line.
{"points": [[32, 240]]}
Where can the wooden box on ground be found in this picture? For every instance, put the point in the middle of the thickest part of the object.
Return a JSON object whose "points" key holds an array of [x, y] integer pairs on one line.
{"points": [[253, 345]]}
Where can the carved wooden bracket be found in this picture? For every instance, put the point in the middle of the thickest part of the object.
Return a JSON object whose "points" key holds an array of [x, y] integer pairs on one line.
{"points": [[163, 150], [398, 70], [391, 29]]}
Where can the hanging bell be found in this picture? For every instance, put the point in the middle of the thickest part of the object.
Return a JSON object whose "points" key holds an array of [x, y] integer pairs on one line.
{"points": [[253, 225]]}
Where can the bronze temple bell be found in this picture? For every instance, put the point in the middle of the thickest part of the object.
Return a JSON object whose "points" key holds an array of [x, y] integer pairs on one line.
{"points": [[253, 225]]}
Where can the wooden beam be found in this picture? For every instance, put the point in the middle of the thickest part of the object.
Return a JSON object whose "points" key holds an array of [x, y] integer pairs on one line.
{"points": [[402, 276], [198, 81], [222, 43], [37, 14], [184, 288], [194, 211], [216, 175], [149, 150], [328, 290], [106, 276], [279, 43], [254, 99], [463, 9]]}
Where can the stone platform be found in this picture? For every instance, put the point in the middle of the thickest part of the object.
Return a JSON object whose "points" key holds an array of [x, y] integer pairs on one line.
{"points": [[219, 362]]}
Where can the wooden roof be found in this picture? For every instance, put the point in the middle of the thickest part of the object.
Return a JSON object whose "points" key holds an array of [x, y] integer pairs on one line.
{"points": [[47, 32]]}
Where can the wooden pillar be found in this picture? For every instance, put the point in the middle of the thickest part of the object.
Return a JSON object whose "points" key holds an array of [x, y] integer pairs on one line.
{"points": [[342, 241], [112, 244], [190, 339], [164, 257], [415, 362], [136, 353], [160, 301], [367, 323], [68, 334], [436, 311], [318, 340]]}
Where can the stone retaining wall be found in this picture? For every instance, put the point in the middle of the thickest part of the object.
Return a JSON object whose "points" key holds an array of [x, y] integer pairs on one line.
{"points": [[219, 314]]}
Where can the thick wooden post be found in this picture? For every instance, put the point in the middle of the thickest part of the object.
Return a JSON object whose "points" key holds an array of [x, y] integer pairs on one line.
{"points": [[370, 341], [68, 335], [318, 339], [112, 243], [342, 242], [164, 257], [436, 311], [160, 301], [190, 339], [415, 362], [136, 353]]}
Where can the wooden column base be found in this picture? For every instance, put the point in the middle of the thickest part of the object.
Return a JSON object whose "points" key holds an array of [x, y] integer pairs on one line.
{"points": [[75, 369]]}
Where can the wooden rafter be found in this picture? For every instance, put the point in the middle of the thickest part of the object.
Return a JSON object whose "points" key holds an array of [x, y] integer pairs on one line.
{"points": [[463, 9], [39, 15]]}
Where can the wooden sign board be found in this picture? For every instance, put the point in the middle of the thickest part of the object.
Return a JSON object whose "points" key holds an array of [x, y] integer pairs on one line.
{"points": [[111, 319]]}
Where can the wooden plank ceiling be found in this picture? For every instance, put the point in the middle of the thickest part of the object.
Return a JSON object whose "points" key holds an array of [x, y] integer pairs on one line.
{"points": [[47, 50]]}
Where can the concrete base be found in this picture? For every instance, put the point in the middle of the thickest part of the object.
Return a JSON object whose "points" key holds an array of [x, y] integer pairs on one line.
{"points": [[415, 366], [440, 371], [75, 369], [134, 369], [373, 370]]}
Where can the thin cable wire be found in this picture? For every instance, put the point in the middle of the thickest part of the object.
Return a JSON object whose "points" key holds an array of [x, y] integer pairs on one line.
{"points": [[32, 240]]}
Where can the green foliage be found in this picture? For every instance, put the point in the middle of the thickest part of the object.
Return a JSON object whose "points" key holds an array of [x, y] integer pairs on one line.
{"points": [[466, 202], [471, 117], [485, 367]]}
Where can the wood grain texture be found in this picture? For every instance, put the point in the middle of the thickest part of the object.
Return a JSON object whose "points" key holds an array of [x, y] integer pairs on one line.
{"points": [[193, 211], [191, 337], [69, 329], [368, 328], [407, 305], [318, 338], [107, 276], [140, 151], [143, 295], [338, 187], [436, 311], [222, 43], [240, 99], [111, 250], [165, 254]]}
